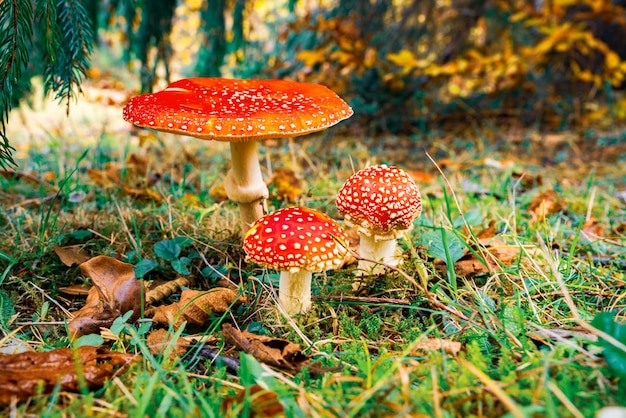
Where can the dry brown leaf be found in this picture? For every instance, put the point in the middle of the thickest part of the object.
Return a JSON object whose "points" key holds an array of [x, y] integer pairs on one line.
{"points": [[30, 177], [115, 291], [71, 254], [132, 178], [285, 185], [24, 375], [142, 193], [158, 340], [592, 228], [163, 290], [496, 253], [136, 165], [469, 265], [487, 233], [107, 177], [526, 180], [437, 344], [421, 177], [195, 307], [273, 351], [218, 193], [263, 403], [545, 204], [190, 200], [76, 290]]}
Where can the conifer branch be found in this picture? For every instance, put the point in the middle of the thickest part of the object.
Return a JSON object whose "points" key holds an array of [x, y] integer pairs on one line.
{"points": [[16, 32], [76, 36]]}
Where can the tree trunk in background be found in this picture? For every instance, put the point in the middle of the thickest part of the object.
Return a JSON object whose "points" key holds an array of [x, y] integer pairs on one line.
{"points": [[213, 33]]}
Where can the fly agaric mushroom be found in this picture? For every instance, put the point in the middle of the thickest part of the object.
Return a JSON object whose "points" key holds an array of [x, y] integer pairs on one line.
{"points": [[297, 241], [240, 112], [381, 202]]}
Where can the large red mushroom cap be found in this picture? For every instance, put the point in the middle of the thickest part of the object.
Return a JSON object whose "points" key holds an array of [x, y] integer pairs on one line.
{"points": [[380, 200], [296, 239], [237, 110]]}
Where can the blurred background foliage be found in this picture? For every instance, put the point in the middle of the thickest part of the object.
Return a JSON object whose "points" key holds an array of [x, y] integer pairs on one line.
{"points": [[404, 65]]}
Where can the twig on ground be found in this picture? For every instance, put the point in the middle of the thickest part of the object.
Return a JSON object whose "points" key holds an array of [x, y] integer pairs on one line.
{"points": [[231, 363]]}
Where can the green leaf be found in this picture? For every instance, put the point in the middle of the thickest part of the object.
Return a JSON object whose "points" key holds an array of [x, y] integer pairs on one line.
{"points": [[473, 217], [120, 322], [182, 241], [89, 339], [215, 272], [180, 266], [7, 309], [144, 266], [614, 356], [168, 249], [436, 247]]}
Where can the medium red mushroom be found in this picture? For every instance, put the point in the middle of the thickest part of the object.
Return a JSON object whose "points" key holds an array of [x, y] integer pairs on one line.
{"points": [[297, 241], [240, 112], [381, 202]]}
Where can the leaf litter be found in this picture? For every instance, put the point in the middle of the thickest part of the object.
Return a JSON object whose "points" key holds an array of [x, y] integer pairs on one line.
{"points": [[27, 374], [115, 291]]}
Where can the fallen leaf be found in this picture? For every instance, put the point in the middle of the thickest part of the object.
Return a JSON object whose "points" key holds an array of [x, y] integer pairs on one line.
{"points": [[496, 253], [26, 374], [437, 344], [262, 403], [76, 290], [115, 291], [421, 176], [30, 178], [136, 165], [285, 185], [142, 193], [196, 307], [544, 204], [157, 341], [592, 229], [163, 290], [487, 233], [275, 352], [190, 200], [71, 254], [218, 193], [132, 177], [107, 177], [526, 180]]}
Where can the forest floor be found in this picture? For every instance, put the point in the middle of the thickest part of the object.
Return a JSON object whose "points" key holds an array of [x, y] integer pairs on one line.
{"points": [[497, 307]]}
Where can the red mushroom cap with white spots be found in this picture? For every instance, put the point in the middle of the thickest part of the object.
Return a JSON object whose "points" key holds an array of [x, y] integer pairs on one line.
{"points": [[236, 110], [380, 200], [296, 238]]}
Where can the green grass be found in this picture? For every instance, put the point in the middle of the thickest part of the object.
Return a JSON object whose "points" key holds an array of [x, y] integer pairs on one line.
{"points": [[524, 349]]}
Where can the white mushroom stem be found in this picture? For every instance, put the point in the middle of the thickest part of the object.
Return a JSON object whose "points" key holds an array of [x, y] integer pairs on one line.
{"points": [[377, 249], [244, 183], [294, 291]]}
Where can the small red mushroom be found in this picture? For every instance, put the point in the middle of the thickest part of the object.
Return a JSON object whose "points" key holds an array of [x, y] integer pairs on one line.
{"points": [[381, 202], [240, 112], [297, 241]]}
